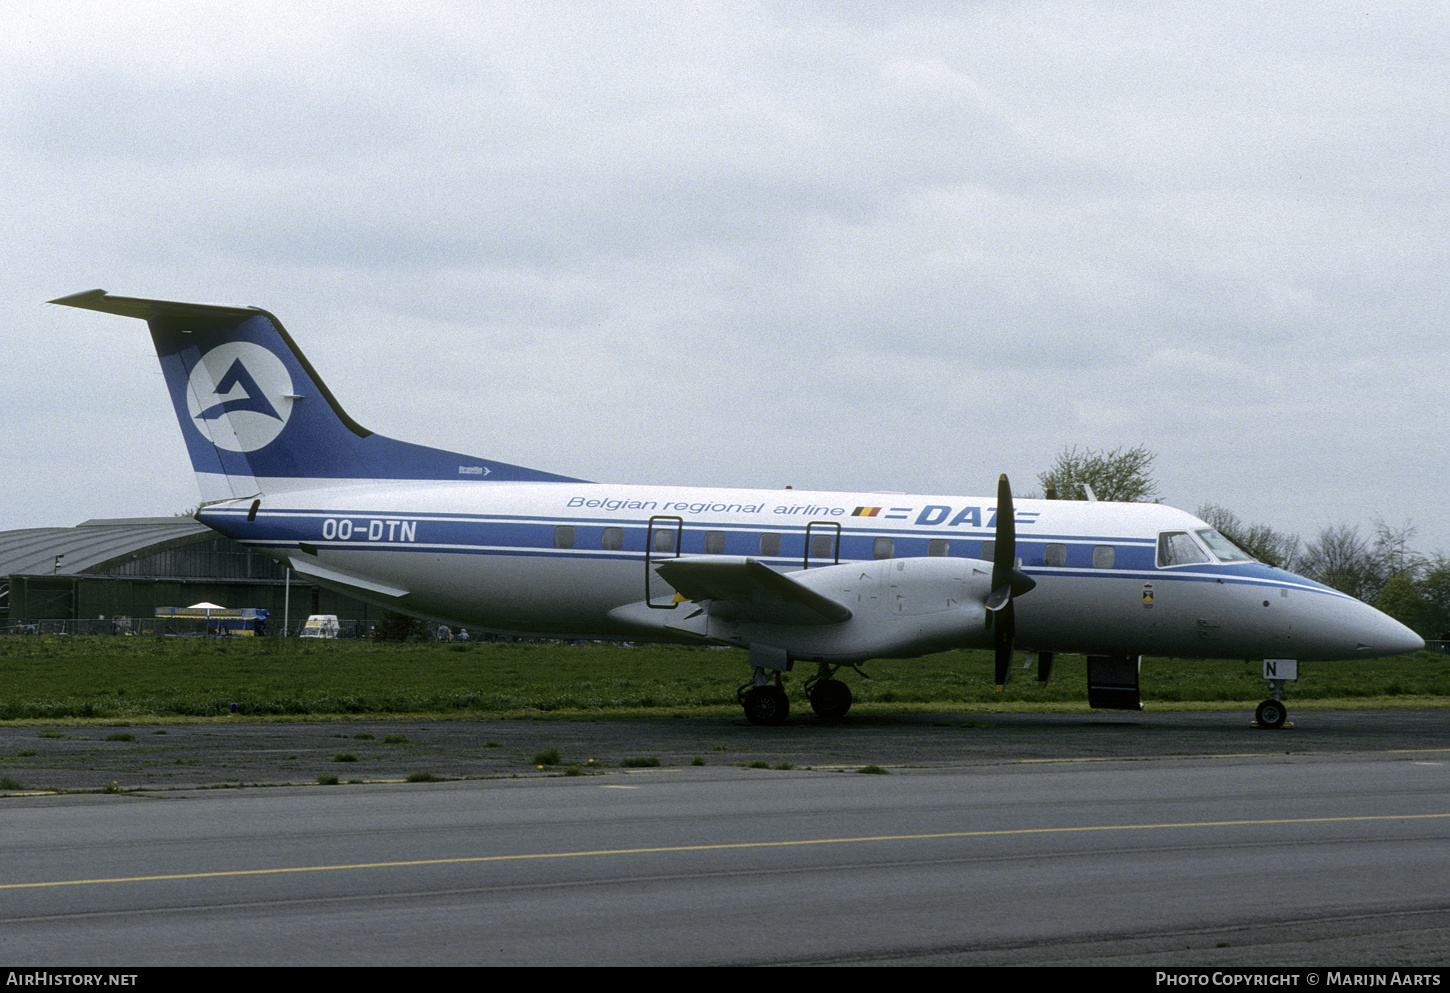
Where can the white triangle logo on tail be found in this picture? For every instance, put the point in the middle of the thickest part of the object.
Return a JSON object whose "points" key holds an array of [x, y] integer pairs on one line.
{"points": [[240, 396]]}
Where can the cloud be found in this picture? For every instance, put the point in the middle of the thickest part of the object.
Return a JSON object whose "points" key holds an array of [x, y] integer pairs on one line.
{"points": [[900, 247]]}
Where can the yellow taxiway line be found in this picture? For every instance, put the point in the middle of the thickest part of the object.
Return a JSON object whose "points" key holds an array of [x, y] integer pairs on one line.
{"points": [[725, 846]]}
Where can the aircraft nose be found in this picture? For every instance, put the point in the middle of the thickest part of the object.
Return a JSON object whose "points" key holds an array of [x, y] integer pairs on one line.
{"points": [[1341, 627], [1379, 634], [1397, 639]]}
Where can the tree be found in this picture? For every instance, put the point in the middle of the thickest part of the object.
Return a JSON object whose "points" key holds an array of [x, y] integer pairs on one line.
{"points": [[1259, 540], [1364, 568], [1344, 559], [1118, 476], [1399, 598], [1434, 588], [1392, 545]]}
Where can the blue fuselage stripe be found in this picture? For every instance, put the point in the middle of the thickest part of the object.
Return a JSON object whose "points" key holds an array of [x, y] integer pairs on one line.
{"points": [[520, 535]]}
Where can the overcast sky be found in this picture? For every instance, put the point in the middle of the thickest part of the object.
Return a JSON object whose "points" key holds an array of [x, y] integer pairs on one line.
{"points": [[858, 246]]}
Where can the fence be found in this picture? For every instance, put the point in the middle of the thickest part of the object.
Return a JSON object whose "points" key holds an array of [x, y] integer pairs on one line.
{"points": [[187, 627]]}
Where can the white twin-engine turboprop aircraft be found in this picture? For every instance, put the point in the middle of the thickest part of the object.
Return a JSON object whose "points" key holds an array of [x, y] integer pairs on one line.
{"points": [[829, 579]]}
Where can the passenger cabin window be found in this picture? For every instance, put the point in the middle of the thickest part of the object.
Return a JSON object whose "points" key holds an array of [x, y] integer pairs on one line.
{"points": [[564, 536], [613, 539], [823, 546], [883, 548], [1054, 554], [1104, 556], [770, 543], [938, 548], [714, 542], [1178, 548], [664, 541], [989, 550]]}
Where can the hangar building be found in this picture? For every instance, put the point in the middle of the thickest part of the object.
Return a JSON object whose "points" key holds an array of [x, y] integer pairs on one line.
{"points": [[80, 579]]}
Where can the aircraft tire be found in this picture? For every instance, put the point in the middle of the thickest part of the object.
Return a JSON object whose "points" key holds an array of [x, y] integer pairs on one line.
{"points": [[766, 706], [1271, 714], [830, 698]]}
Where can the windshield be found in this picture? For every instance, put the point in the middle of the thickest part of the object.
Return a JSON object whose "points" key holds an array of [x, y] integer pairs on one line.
{"points": [[1178, 548], [1226, 550]]}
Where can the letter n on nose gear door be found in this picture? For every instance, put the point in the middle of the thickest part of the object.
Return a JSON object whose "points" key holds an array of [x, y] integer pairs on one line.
{"points": [[661, 541]]}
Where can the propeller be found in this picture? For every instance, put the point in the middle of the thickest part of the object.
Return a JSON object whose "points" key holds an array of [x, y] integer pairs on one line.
{"points": [[1007, 581]]}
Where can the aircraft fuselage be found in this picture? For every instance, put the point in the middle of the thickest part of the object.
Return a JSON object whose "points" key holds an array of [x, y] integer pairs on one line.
{"points": [[569, 559]]}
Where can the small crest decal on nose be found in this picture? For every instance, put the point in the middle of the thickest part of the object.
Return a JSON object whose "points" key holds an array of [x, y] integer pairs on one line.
{"points": [[240, 396]]}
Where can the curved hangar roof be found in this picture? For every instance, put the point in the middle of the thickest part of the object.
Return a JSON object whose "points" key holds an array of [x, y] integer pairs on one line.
{"points": [[93, 546]]}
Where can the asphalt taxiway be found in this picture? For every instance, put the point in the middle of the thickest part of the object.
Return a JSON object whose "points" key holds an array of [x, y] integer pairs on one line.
{"points": [[1283, 860], [177, 756], [1180, 839]]}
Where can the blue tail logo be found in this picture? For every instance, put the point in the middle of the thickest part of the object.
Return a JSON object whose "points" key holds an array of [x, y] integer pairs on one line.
{"points": [[241, 396], [257, 417]]}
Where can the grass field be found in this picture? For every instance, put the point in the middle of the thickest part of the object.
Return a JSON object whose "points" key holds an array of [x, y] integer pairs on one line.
{"points": [[107, 678]]}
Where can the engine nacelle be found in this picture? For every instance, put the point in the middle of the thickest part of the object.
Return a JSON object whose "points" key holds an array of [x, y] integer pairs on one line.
{"points": [[900, 608]]}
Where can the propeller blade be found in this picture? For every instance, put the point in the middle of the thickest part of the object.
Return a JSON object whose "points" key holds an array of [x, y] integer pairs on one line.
{"points": [[1003, 629], [1004, 555], [1007, 582]]}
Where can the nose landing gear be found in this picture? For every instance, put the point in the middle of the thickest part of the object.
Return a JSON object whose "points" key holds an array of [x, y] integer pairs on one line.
{"points": [[1272, 714]]}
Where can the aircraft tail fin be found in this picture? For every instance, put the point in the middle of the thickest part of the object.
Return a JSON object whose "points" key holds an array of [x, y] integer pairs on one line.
{"points": [[256, 416]]}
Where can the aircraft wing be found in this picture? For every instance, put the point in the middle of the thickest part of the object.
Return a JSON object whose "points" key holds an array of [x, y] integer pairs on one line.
{"points": [[331, 576], [749, 590]]}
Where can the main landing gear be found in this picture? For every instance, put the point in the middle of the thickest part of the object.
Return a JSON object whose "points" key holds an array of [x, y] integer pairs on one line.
{"points": [[830, 697], [766, 704], [763, 697]]}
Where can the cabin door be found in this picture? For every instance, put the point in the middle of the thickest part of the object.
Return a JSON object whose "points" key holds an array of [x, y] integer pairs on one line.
{"points": [[823, 544], [661, 541]]}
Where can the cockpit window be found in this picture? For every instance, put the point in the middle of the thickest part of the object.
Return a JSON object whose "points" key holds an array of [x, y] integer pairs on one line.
{"points": [[1178, 548], [1226, 550]]}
